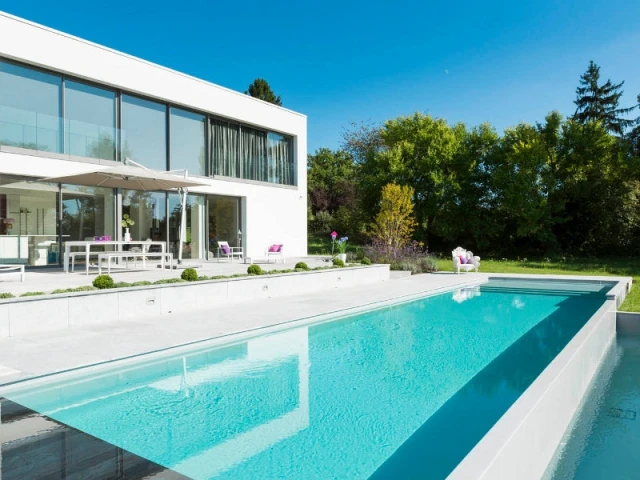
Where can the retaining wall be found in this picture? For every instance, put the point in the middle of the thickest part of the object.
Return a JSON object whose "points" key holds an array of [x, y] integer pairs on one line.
{"points": [[48, 313]]}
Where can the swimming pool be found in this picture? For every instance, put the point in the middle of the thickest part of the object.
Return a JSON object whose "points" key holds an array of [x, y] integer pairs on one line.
{"points": [[398, 392]]}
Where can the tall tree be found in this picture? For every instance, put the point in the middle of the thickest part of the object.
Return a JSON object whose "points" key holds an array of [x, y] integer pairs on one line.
{"points": [[261, 89], [601, 103]]}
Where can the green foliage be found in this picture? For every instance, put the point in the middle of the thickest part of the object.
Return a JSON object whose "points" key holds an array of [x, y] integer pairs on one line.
{"points": [[32, 294], [301, 266], [254, 270], [601, 103], [394, 223], [189, 274], [122, 285], [7, 295], [338, 263], [261, 89], [321, 223], [103, 281], [168, 281], [365, 261], [141, 283], [85, 288]]}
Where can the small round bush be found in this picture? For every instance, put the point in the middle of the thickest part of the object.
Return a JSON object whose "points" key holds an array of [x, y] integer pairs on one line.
{"points": [[189, 274], [254, 270], [365, 261], [103, 281], [338, 263], [301, 266]]}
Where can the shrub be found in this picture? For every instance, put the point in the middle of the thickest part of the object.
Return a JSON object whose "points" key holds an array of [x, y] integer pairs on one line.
{"points": [[32, 294], [338, 263], [103, 281], [86, 288], [217, 277], [141, 283], [7, 295], [122, 285], [254, 270], [202, 278], [301, 266], [365, 261], [322, 222], [189, 274]]}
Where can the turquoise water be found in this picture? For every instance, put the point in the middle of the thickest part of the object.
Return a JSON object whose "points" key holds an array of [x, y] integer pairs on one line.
{"points": [[400, 392], [605, 440]]}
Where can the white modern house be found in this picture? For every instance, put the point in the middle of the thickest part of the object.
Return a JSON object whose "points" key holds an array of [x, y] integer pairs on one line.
{"points": [[70, 107]]}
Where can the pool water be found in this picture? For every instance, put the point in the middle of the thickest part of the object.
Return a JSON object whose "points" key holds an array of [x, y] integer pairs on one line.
{"points": [[400, 392], [605, 438]]}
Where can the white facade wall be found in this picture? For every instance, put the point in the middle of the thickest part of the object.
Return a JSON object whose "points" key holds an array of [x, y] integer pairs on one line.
{"points": [[271, 213]]}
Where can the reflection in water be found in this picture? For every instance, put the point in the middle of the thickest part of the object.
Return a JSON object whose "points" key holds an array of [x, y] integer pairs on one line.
{"points": [[464, 294]]}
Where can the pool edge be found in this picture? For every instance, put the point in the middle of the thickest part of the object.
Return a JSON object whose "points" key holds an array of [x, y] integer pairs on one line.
{"points": [[522, 443]]}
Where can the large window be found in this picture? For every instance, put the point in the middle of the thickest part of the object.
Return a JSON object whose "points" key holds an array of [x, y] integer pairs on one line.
{"points": [[187, 141], [281, 168], [28, 221], [144, 132], [224, 222], [192, 246], [90, 121], [87, 212], [148, 210], [245, 152], [225, 148], [30, 108]]}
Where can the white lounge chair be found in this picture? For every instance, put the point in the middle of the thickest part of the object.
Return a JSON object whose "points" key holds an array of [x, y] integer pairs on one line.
{"points": [[464, 260], [275, 251], [225, 251], [6, 268]]}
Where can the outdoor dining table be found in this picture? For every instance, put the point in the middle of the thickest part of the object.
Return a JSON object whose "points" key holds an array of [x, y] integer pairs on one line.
{"points": [[87, 244]]}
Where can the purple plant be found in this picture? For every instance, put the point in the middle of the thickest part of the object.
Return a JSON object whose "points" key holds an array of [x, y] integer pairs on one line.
{"points": [[413, 256]]}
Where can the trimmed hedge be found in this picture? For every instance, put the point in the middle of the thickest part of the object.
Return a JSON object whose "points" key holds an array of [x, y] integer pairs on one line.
{"points": [[103, 281], [254, 270], [189, 274]]}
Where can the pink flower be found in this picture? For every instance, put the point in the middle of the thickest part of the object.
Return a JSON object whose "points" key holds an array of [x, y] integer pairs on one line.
{"points": [[334, 235]]}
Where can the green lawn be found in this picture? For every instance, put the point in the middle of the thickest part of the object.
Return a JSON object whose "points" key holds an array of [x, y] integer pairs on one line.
{"points": [[628, 267]]}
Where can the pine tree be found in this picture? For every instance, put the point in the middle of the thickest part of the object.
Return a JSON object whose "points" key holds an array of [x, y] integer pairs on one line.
{"points": [[260, 89], [600, 103]]}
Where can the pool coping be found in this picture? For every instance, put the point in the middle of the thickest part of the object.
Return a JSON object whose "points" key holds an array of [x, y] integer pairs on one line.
{"points": [[523, 441]]}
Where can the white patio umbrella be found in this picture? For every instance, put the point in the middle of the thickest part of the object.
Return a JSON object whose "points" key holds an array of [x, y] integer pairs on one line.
{"points": [[132, 175]]}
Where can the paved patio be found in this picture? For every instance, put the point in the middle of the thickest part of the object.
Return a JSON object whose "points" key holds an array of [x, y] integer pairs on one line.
{"points": [[47, 280], [32, 355]]}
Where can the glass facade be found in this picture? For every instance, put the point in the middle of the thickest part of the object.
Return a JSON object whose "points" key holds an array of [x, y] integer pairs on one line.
{"points": [[30, 108], [31, 116], [225, 222], [187, 141], [90, 121], [144, 132], [28, 221]]}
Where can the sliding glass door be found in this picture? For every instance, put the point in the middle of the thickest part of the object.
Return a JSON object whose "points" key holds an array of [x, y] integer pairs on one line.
{"points": [[225, 222]]}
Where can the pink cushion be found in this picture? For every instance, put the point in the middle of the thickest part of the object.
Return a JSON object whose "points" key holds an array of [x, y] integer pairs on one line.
{"points": [[225, 249], [463, 260], [275, 248]]}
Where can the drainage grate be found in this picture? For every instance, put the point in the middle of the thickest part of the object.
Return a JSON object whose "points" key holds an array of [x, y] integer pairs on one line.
{"points": [[624, 414]]}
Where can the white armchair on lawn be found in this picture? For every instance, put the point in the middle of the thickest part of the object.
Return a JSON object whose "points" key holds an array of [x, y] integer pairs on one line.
{"points": [[464, 260]]}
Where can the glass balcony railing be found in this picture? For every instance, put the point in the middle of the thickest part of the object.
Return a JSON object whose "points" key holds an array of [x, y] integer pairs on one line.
{"points": [[47, 133]]}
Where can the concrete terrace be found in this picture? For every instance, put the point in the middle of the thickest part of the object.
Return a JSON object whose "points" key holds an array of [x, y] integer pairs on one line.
{"points": [[49, 279], [21, 356]]}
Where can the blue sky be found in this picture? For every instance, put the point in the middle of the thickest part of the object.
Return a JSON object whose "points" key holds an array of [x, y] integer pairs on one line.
{"points": [[343, 62]]}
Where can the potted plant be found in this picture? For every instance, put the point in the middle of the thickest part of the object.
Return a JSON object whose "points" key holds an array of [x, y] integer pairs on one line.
{"points": [[126, 223], [341, 245]]}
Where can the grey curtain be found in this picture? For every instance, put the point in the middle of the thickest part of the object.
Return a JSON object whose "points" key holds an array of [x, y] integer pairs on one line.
{"points": [[254, 154], [281, 168], [225, 148]]}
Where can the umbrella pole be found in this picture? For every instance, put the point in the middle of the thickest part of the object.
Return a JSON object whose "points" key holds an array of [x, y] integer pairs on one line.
{"points": [[183, 222]]}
